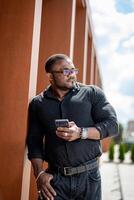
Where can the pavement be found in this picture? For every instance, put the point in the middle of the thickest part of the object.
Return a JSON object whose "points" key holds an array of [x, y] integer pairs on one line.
{"points": [[117, 178]]}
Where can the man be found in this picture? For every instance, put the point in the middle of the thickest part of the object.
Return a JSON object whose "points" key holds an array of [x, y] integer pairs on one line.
{"points": [[71, 152]]}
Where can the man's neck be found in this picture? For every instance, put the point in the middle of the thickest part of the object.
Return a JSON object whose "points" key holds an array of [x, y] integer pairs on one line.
{"points": [[60, 94]]}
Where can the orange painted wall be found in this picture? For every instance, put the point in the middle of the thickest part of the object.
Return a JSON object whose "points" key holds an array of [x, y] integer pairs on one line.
{"points": [[16, 26], [16, 31]]}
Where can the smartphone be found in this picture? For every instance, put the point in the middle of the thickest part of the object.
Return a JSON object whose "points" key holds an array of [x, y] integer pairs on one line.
{"points": [[62, 123]]}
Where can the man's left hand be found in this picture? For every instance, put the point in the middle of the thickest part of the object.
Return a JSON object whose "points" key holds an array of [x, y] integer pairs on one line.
{"points": [[69, 133]]}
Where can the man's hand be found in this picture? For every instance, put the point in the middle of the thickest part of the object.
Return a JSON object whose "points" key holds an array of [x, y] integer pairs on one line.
{"points": [[71, 133], [44, 186]]}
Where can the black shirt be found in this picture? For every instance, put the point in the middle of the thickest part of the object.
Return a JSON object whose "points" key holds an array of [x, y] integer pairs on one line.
{"points": [[87, 107]]}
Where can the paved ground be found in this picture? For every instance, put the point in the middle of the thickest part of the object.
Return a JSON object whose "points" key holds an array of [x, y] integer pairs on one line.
{"points": [[117, 179], [110, 182], [127, 181]]}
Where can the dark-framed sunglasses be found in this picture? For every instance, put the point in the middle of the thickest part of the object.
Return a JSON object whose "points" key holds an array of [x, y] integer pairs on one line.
{"points": [[67, 72]]}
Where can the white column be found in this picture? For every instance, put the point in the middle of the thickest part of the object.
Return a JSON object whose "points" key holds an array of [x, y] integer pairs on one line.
{"points": [[32, 91], [72, 29], [92, 65], [85, 51]]}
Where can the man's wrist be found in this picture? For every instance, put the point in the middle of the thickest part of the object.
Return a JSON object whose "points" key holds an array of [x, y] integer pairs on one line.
{"points": [[39, 174], [84, 133]]}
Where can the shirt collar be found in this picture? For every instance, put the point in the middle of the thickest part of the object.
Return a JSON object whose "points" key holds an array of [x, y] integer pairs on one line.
{"points": [[48, 90]]}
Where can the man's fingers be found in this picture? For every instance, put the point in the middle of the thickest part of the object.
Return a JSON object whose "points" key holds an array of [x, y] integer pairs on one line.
{"points": [[50, 178], [46, 189], [64, 135], [47, 193], [64, 129], [71, 124], [50, 188]]}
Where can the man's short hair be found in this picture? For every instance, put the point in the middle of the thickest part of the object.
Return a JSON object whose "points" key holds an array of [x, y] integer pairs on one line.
{"points": [[53, 59]]}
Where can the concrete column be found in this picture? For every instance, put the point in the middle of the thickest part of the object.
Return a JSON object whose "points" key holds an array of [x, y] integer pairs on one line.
{"points": [[85, 52], [89, 56], [92, 65], [79, 42], [99, 82], [32, 91], [95, 71]]}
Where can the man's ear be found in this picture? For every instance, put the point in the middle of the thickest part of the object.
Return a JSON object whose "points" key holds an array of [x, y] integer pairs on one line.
{"points": [[50, 76]]}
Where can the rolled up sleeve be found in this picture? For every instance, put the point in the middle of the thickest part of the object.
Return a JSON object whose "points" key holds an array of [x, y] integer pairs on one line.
{"points": [[103, 114], [35, 133]]}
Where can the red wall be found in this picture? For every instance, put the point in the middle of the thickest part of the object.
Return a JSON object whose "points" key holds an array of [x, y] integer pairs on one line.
{"points": [[16, 26]]}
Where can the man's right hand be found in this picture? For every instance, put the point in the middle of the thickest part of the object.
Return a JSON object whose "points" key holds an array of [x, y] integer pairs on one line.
{"points": [[44, 186]]}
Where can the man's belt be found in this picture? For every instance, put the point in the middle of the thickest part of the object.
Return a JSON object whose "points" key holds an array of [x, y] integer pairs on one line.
{"points": [[69, 171]]}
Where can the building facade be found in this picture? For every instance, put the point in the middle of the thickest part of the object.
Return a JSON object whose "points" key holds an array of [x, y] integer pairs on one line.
{"points": [[129, 133], [31, 31]]}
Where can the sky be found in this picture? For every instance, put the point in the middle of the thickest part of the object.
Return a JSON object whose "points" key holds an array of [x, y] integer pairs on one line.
{"points": [[113, 24]]}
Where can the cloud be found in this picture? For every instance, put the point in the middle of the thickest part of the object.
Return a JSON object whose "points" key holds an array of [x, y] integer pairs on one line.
{"points": [[127, 86], [128, 44], [124, 105], [98, 7], [114, 33]]}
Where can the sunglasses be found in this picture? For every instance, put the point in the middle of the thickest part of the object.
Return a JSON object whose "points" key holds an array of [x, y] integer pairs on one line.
{"points": [[67, 72]]}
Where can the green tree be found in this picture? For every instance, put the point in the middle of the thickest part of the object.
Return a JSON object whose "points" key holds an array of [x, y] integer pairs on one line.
{"points": [[122, 150], [111, 151], [132, 153], [117, 139]]}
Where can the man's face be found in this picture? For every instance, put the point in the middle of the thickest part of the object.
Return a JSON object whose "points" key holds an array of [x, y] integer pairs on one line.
{"points": [[63, 75]]}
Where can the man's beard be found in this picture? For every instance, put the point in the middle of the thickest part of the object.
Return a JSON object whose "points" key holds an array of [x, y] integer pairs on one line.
{"points": [[66, 87]]}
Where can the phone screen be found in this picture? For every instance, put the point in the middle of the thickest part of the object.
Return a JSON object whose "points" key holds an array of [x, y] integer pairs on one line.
{"points": [[62, 122]]}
